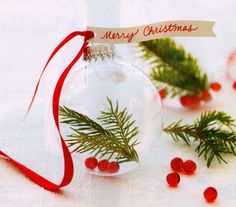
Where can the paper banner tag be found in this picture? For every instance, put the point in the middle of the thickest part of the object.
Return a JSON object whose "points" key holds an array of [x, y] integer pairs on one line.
{"points": [[180, 28]]}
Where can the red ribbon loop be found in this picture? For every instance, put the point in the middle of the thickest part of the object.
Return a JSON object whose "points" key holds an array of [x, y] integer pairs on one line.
{"points": [[68, 162]]}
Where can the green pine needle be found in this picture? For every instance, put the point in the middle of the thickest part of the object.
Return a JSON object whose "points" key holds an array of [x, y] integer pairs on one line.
{"points": [[172, 66], [114, 138], [213, 132]]}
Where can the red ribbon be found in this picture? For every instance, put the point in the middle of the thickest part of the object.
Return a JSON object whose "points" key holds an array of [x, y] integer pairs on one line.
{"points": [[68, 162]]}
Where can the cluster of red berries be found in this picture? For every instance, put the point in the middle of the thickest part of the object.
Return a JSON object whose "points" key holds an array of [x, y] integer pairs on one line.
{"points": [[103, 165], [193, 101], [187, 167], [177, 165]]}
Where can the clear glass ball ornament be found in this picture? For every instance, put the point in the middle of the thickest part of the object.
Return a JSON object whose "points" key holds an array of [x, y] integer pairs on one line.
{"points": [[104, 77]]}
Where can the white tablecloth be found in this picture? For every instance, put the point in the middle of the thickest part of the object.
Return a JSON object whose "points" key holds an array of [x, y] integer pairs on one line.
{"points": [[28, 32]]}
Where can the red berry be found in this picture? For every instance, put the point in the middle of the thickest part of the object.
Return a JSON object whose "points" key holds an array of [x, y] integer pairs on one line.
{"points": [[215, 86], [113, 167], [195, 102], [234, 85], [185, 100], [173, 179], [91, 163], [102, 165], [210, 194], [190, 101], [176, 164], [163, 93], [189, 167], [205, 96]]}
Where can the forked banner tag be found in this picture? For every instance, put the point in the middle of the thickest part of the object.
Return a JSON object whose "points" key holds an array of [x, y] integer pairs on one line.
{"points": [[181, 28]]}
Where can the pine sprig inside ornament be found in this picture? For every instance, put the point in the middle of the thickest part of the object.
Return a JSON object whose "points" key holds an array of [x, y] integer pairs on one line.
{"points": [[174, 67], [213, 131], [120, 124], [113, 139]]}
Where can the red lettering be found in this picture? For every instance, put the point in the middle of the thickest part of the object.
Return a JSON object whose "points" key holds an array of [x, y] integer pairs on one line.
{"points": [[122, 35], [190, 29], [185, 28], [147, 30], [107, 35]]}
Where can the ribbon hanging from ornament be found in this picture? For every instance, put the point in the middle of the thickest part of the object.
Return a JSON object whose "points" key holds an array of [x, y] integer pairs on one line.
{"points": [[68, 163]]}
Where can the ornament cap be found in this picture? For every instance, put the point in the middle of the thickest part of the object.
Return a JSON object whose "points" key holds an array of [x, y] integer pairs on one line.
{"points": [[95, 52]]}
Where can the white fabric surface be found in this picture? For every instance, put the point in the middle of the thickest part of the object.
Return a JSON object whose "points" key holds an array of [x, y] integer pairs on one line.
{"points": [[29, 30]]}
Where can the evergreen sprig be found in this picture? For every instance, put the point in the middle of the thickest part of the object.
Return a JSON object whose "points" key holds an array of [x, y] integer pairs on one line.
{"points": [[174, 67], [115, 139], [213, 131]]}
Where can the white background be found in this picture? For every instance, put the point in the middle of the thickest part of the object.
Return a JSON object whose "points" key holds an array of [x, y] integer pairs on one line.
{"points": [[30, 29]]}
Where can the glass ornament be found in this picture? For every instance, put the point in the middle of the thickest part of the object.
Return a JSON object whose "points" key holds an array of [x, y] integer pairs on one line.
{"points": [[104, 76]]}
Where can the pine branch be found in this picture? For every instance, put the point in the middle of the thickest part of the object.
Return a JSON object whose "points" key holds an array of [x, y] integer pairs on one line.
{"points": [[120, 123], [213, 132], [115, 141], [174, 67]]}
